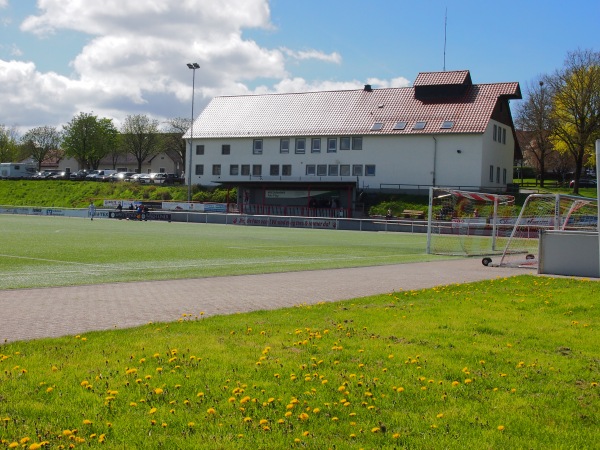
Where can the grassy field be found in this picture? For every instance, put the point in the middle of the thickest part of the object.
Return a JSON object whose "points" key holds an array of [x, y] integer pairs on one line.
{"points": [[53, 251], [509, 363]]}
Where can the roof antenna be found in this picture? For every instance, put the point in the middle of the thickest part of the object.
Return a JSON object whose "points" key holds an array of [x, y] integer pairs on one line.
{"points": [[445, 27]]}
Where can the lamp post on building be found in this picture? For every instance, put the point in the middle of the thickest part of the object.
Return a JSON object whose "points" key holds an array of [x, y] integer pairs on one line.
{"points": [[192, 66]]}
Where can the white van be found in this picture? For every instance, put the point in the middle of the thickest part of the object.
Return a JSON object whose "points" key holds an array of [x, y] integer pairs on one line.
{"points": [[99, 175]]}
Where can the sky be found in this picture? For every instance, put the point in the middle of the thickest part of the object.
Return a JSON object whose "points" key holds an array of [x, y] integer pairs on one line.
{"points": [[115, 58]]}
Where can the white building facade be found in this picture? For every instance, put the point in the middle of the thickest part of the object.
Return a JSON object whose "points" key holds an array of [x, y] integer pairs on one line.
{"points": [[314, 153]]}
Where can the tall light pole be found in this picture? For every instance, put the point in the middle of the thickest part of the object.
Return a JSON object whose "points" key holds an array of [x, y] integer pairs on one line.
{"points": [[192, 66]]}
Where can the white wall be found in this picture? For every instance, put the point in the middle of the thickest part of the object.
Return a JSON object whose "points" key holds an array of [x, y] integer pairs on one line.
{"points": [[399, 160]]}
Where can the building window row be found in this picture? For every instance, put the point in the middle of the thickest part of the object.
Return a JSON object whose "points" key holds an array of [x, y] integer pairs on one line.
{"points": [[341, 170], [320, 170], [499, 134], [504, 174]]}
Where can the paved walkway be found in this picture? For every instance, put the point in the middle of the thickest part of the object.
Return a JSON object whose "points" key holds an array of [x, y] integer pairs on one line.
{"points": [[51, 312]]}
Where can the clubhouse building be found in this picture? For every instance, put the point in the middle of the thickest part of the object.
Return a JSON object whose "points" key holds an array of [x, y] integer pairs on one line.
{"points": [[317, 153]]}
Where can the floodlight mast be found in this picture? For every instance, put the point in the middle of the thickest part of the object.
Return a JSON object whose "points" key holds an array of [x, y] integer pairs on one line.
{"points": [[193, 67]]}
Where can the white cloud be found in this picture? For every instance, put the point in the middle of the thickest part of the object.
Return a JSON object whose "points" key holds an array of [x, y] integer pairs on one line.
{"points": [[3, 3], [313, 54], [134, 61]]}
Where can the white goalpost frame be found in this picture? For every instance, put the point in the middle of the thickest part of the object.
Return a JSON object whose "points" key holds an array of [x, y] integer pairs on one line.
{"points": [[478, 199]]}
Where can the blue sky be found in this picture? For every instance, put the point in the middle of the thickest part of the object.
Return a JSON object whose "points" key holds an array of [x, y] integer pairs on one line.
{"points": [[120, 57]]}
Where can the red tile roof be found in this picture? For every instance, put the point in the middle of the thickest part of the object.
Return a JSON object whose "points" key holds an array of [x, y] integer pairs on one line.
{"points": [[354, 112], [443, 78]]}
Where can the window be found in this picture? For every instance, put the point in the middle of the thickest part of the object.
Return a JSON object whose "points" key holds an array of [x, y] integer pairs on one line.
{"points": [[495, 131], [357, 143], [370, 170], [199, 149], [377, 126], [310, 169], [321, 170], [497, 174], [419, 125], [199, 169], [274, 170], [286, 170], [300, 145], [234, 169], [216, 170], [256, 170], [284, 145], [504, 135], [246, 169], [225, 149], [357, 170], [315, 145], [400, 125], [257, 147], [492, 172], [345, 170], [447, 124], [503, 176], [332, 145], [344, 143], [333, 170]]}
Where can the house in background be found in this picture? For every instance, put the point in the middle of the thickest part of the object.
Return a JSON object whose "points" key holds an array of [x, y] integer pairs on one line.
{"points": [[165, 162], [313, 153]]}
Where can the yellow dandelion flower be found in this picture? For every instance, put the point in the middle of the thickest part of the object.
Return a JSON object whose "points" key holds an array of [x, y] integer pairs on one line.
{"points": [[468, 381], [152, 411], [455, 383], [264, 421], [400, 389], [211, 411], [375, 430], [50, 389], [133, 404], [439, 416], [87, 422], [288, 414], [158, 391], [500, 427], [247, 419], [164, 425], [191, 424]]}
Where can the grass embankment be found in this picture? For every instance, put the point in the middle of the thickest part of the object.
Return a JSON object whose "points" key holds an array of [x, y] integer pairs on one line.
{"points": [[78, 194], [508, 363]]}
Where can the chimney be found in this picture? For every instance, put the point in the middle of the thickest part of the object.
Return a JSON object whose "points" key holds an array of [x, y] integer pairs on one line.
{"points": [[368, 88]]}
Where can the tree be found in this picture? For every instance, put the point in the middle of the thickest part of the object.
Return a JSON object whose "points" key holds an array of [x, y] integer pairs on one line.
{"points": [[140, 137], [42, 143], [9, 145], [174, 143], [534, 117], [89, 139], [576, 107]]}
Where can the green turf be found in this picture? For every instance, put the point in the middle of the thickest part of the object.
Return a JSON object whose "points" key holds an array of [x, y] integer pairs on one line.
{"points": [[52, 251]]}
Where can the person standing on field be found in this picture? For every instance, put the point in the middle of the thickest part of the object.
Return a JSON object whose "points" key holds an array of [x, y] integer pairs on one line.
{"points": [[92, 210]]}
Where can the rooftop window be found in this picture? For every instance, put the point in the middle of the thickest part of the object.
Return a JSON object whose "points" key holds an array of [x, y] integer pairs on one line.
{"points": [[419, 125], [400, 126], [377, 126], [447, 124]]}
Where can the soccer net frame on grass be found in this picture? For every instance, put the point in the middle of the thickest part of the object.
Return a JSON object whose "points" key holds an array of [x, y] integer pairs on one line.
{"points": [[511, 233], [464, 223]]}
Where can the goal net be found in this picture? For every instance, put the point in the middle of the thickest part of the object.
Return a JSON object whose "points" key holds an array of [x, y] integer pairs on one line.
{"points": [[545, 212], [465, 223]]}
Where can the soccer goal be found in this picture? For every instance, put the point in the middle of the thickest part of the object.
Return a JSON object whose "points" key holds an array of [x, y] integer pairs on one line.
{"points": [[545, 212], [465, 223]]}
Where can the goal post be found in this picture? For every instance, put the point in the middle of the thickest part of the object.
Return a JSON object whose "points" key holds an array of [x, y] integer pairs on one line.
{"points": [[546, 212], [465, 223]]}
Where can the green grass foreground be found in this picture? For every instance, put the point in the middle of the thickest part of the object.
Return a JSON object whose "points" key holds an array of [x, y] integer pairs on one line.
{"points": [[508, 363], [57, 251]]}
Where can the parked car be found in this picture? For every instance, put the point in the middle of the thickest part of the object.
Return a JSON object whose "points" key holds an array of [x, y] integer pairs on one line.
{"points": [[46, 174], [584, 182], [144, 178], [79, 175], [99, 175], [166, 178], [121, 176]]}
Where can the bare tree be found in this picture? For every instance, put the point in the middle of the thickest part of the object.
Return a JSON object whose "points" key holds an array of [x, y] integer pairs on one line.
{"points": [[140, 137], [534, 118], [576, 107], [174, 145], [42, 143]]}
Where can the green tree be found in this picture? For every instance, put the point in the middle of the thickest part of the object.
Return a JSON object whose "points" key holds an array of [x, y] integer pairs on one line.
{"points": [[576, 107], [89, 139], [9, 145], [140, 137], [42, 143]]}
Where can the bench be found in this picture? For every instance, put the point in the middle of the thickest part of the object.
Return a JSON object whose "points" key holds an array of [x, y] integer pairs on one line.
{"points": [[413, 213]]}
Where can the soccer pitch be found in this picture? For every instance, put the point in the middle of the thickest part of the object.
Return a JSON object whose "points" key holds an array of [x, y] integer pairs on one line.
{"points": [[56, 251]]}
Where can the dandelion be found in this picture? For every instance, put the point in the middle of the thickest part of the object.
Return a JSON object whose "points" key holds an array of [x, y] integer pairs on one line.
{"points": [[500, 427], [191, 424], [211, 411], [158, 391], [247, 419], [152, 411], [87, 422], [455, 383]]}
